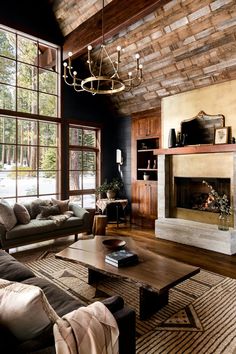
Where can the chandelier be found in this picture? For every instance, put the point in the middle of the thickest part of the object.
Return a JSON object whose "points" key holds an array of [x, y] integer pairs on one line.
{"points": [[99, 81]]}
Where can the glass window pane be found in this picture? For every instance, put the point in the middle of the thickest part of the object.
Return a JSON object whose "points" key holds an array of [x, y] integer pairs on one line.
{"points": [[75, 178], [75, 162], [89, 180], [48, 160], [7, 184], [7, 97], [27, 132], [48, 134], [47, 81], [76, 199], [7, 71], [8, 44], [47, 183], [27, 76], [27, 50], [7, 157], [47, 105], [89, 138], [7, 131], [27, 158], [75, 136], [89, 161], [27, 183], [89, 201], [26, 101]]}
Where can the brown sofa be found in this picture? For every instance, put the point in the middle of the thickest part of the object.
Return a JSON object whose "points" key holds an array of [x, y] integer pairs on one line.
{"points": [[62, 303]]}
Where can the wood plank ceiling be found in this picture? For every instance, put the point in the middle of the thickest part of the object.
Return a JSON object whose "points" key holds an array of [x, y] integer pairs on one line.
{"points": [[183, 44]]}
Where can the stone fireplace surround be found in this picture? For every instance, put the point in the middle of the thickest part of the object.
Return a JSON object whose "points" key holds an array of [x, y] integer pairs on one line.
{"points": [[215, 161]]}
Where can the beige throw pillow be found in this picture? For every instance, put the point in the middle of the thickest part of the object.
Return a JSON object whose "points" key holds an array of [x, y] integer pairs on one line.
{"points": [[24, 309], [63, 204], [7, 215], [21, 213]]}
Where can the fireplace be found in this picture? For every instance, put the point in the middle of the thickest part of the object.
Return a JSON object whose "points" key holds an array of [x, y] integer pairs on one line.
{"points": [[185, 214]]}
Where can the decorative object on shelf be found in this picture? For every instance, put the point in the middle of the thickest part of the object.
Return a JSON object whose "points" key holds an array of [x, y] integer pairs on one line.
{"points": [[110, 188], [154, 164], [143, 146], [222, 204], [200, 129], [149, 164], [145, 176], [172, 138], [221, 135], [104, 72]]}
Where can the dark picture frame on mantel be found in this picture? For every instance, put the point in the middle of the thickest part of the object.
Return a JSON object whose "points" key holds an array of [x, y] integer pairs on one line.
{"points": [[221, 135]]}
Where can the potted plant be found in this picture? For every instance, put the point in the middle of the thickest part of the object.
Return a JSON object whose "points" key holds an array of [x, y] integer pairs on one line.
{"points": [[110, 188]]}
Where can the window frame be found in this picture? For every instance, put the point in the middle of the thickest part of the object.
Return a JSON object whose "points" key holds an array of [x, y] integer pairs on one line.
{"points": [[83, 148], [18, 115]]}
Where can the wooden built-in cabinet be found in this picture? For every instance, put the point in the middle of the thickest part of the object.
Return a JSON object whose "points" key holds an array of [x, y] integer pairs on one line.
{"points": [[144, 141]]}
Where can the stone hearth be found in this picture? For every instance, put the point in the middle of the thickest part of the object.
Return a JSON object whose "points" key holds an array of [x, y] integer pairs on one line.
{"points": [[181, 227]]}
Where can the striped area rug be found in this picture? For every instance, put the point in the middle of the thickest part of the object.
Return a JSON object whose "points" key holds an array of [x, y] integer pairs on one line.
{"points": [[200, 317]]}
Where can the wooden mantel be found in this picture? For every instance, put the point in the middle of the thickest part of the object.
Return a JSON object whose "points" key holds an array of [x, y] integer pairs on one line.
{"points": [[196, 149]]}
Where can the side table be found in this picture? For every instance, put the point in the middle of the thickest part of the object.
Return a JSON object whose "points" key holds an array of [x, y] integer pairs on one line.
{"points": [[103, 204]]}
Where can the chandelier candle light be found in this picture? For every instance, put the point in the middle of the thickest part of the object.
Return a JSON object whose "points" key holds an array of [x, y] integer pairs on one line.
{"points": [[99, 82]]}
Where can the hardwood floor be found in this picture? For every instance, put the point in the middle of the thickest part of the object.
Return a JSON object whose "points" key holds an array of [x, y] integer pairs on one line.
{"points": [[212, 261], [209, 260]]}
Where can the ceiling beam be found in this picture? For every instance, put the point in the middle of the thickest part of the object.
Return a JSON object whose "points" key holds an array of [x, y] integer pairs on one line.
{"points": [[118, 14]]}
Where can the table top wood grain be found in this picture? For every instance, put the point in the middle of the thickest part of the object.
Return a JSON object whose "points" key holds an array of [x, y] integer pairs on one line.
{"points": [[153, 272]]}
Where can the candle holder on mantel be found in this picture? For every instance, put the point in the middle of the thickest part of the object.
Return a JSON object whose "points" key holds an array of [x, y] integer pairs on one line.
{"points": [[172, 138]]}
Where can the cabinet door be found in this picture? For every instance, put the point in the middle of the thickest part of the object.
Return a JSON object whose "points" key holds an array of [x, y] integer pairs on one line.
{"points": [[144, 203], [153, 126], [147, 127], [142, 128]]}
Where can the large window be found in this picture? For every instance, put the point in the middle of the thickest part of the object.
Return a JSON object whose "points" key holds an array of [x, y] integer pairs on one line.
{"points": [[29, 112], [29, 165], [84, 163], [28, 75]]}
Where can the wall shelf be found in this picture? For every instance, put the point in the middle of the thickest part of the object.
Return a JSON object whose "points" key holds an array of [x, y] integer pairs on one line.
{"points": [[196, 149]]}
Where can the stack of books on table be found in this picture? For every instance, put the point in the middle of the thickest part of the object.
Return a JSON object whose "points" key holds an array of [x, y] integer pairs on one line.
{"points": [[121, 258]]}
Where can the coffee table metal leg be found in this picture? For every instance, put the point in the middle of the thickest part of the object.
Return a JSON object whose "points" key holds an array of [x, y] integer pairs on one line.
{"points": [[150, 302]]}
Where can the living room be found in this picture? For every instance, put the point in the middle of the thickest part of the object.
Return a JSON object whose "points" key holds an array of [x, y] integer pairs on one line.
{"points": [[188, 57]]}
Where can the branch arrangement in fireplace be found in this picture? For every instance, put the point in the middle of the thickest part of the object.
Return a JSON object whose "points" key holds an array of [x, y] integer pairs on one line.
{"points": [[221, 203]]}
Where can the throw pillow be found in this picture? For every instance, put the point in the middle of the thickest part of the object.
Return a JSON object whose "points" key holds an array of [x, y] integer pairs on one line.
{"points": [[21, 213], [7, 215], [24, 309], [63, 204], [47, 211], [35, 206]]}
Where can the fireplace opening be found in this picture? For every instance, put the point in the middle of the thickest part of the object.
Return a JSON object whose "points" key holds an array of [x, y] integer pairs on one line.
{"points": [[192, 194]]}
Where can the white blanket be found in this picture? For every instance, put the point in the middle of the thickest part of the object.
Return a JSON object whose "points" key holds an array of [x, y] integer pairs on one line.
{"points": [[87, 330]]}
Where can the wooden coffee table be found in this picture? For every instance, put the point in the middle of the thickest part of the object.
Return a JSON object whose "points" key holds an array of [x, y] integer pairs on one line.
{"points": [[154, 274]]}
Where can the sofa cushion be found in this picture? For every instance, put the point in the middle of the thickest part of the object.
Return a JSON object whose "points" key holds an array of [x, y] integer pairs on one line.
{"points": [[24, 309], [63, 204], [7, 215], [21, 213], [35, 226], [11, 269], [61, 302]]}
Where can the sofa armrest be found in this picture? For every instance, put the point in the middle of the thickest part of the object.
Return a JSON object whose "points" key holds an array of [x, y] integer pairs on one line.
{"points": [[126, 321], [2, 234], [83, 214]]}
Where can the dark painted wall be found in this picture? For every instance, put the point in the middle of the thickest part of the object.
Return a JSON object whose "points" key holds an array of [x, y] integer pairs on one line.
{"points": [[32, 17]]}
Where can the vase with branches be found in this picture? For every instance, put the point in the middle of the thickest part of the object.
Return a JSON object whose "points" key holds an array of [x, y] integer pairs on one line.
{"points": [[222, 204]]}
